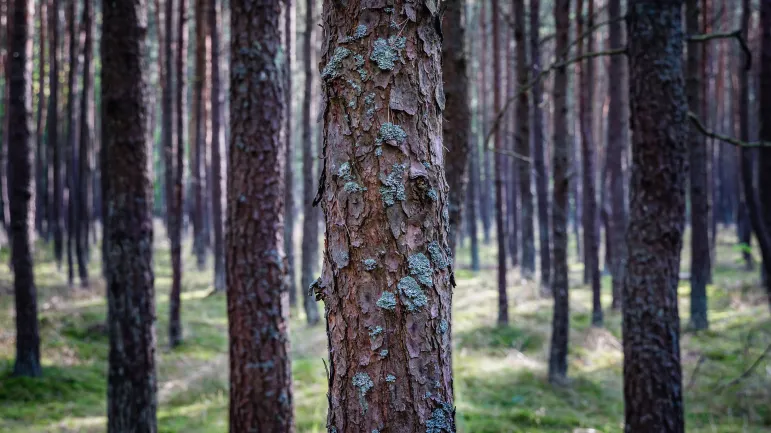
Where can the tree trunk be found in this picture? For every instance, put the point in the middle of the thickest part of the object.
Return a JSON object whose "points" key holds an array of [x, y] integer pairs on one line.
{"points": [[744, 222], [651, 325], [512, 177], [6, 9], [178, 153], [216, 151], [472, 218], [616, 146], [455, 128], [41, 162], [500, 187], [86, 143], [22, 188], [384, 196], [486, 184], [199, 135], [73, 228], [289, 202], [54, 145], [258, 304], [558, 356], [539, 149], [310, 239], [167, 113], [761, 213], [523, 146], [132, 383]]}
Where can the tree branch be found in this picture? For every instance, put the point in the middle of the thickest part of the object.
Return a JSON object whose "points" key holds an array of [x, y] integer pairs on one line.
{"points": [[747, 372], [736, 142], [736, 34]]}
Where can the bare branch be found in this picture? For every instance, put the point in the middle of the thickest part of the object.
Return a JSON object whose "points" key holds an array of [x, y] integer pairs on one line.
{"points": [[747, 372], [736, 142], [512, 154], [736, 34]]}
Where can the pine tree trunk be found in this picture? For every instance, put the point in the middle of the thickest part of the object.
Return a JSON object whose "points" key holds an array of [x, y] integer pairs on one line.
{"points": [[178, 153], [199, 135], [616, 146], [539, 150], [216, 151], [289, 202], [86, 143], [764, 163], [6, 11], [384, 196], [258, 304], [22, 188], [500, 186], [167, 113], [310, 239], [651, 325], [41, 176], [512, 177], [486, 175], [132, 383], [558, 362], [472, 195], [744, 222], [54, 144], [455, 128], [73, 228]]}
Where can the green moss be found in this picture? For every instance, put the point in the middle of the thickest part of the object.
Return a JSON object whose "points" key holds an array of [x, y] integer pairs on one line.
{"points": [[387, 301], [421, 268], [411, 294]]}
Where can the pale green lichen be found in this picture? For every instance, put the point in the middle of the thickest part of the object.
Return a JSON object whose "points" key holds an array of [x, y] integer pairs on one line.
{"points": [[378, 150], [355, 86], [390, 378], [393, 189], [436, 255], [352, 187], [391, 134], [344, 172], [358, 60], [375, 331], [443, 326], [387, 301], [420, 268], [439, 422], [332, 69], [432, 195], [412, 295], [363, 383], [370, 264], [358, 33], [384, 353], [386, 52]]}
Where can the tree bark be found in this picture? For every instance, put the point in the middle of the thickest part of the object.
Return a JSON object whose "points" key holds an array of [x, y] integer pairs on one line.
{"points": [[384, 196], [216, 150], [132, 383], [310, 239], [22, 188], [199, 135], [485, 183], [57, 217], [744, 222], [558, 362], [500, 186], [289, 201], [73, 228], [616, 145], [764, 164], [86, 140], [651, 324], [455, 128], [510, 142], [539, 150], [258, 304], [167, 113], [41, 161]]}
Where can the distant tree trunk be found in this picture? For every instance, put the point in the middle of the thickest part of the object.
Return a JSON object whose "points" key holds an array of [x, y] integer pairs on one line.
{"points": [[22, 188], [651, 325], [199, 135], [216, 151], [310, 239], [616, 146], [54, 145], [167, 113], [86, 142], [744, 222], [512, 177], [387, 270], [289, 202], [762, 228], [455, 128], [589, 210], [500, 187], [258, 304], [6, 11], [73, 228], [523, 145], [486, 184], [178, 153], [558, 356], [41, 161], [472, 195], [132, 382], [539, 149], [700, 243]]}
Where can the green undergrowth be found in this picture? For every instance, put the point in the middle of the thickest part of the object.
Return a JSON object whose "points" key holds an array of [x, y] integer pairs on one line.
{"points": [[500, 371]]}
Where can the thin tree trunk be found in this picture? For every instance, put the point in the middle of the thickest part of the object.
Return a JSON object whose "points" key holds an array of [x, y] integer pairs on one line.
{"points": [[199, 135], [651, 324], [216, 151], [7, 13], [167, 113], [289, 201], [85, 142], [539, 150], [455, 128], [310, 245], [558, 362], [512, 177], [260, 371], [73, 228], [41, 176], [486, 184], [472, 218], [744, 223], [22, 188], [131, 383], [761, 213], [54, 145], [500, 187]]}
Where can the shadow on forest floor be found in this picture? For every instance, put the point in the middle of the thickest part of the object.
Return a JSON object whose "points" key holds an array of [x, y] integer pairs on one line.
{"points": [[500, 373]]}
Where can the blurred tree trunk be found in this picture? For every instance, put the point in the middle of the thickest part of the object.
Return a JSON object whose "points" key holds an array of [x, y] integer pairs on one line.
{"points": [[73, 228], [472, 190], [86, 142], [510, 143], [651, 324], [455, 128], [41, 161], [167, 111], [742, 110], [6, 13], [260, 371], [700, 242], [500, 187], [289, 201], [22, 187], [486, 174], [558, 362], [199, 135], [131, 384], [764, 163], [310, 239], [387, 270], [616, 146], [54, 145], [178, 154], [539, 149], [217, 225]]}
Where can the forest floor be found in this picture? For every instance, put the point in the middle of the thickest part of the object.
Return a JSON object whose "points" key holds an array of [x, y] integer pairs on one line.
{"points": [[500, 373]]}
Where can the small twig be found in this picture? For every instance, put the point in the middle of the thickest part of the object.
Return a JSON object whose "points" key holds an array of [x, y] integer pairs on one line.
{"points": [[736, 34], [691, 382], [736, 142], [519, 156], [747, 373]]}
